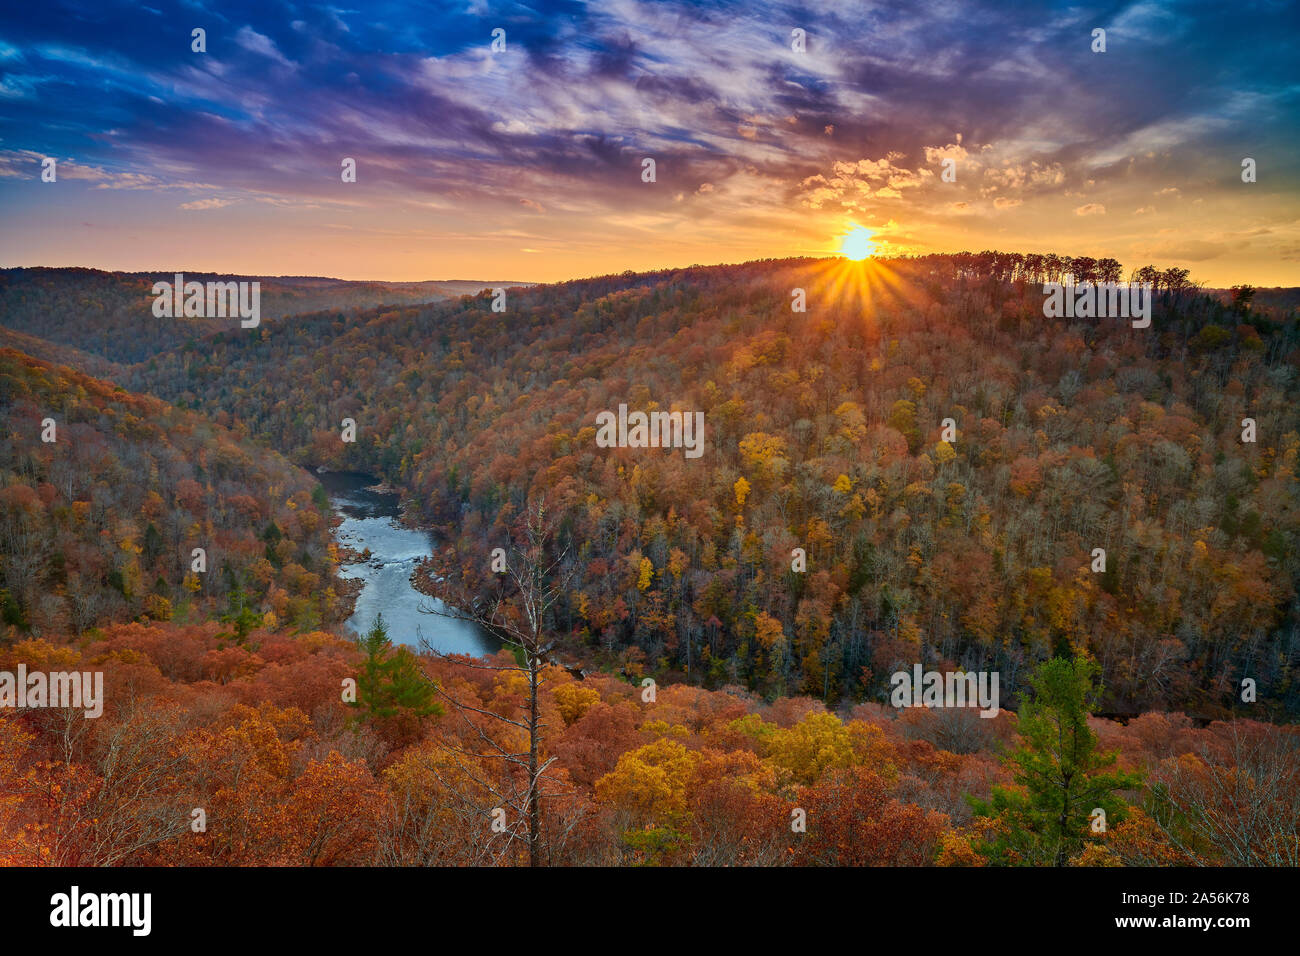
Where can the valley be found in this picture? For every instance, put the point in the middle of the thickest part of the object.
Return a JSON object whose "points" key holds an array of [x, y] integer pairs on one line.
{"points": [[691, 632]]}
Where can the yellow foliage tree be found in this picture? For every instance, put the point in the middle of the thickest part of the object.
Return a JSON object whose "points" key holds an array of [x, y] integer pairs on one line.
{"points": [[818, 743], [574, 700], [644, 575], [768, 630], [651, 782], [741, 488]]}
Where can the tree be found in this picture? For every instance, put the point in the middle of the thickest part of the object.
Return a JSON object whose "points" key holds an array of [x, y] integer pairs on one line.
{"points": [[1060, 774], [649, 788], [392, 688], [854, 820], [1109, 270], [1149, 274], [1084, 268], [817, 743], [1241, 298], [520, 614], [1234, 802], [239, 614]]}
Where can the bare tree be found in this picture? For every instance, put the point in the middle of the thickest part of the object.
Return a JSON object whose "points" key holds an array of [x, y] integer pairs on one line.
{"points": [[129, 801], [1238, 803], [533, 581]]}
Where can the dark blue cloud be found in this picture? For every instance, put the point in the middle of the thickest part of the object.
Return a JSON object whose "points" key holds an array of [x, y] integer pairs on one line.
{"points": [[285, 88]]}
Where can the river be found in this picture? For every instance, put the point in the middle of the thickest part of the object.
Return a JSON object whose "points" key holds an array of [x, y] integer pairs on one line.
{"points": [[370, 521]]}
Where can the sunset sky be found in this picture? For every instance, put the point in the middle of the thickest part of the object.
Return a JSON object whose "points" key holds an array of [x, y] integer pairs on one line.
{"points": [[527, 164]]}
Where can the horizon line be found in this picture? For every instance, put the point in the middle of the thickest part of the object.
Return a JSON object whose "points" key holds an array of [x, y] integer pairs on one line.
{"points": [[514, 283]]}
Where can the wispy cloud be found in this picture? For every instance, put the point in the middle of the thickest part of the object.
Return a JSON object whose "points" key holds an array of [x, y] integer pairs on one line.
{"points": [[752, 138]]}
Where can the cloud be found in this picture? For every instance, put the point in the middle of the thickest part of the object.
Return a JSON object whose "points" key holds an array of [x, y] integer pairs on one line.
{"points": [[851, 183], [1184, 250], [1091, 209], [255, 42], [514, 127], [1030, 175], [586, 89], [213, 203], [20, 163], [935, 155]]}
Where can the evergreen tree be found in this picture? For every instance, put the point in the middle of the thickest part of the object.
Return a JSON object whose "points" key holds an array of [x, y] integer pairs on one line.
{"points": [[1061, 777], [153, 544], [392, 688], [240, 615]]}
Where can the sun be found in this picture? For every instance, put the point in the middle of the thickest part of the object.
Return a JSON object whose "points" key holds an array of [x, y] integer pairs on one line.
{"points": [[856, 244]]}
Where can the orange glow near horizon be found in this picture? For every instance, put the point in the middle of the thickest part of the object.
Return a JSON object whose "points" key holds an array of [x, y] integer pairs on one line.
{"points": [[860, 289]]}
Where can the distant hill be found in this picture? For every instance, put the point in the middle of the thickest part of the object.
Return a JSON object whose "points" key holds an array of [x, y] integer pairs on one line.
{"points": [[110, 314], [475, 286], [95, 365], [1278, 299]]}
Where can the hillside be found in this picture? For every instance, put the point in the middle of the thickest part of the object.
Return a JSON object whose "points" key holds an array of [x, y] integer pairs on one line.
{"points": [[56, 354], [823, 432], [291, 776], [110, 314], [101, 523]]}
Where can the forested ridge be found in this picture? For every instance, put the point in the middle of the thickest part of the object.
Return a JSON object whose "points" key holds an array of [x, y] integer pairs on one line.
{"points": [[823, 433], [100, 523], [110, 314]]}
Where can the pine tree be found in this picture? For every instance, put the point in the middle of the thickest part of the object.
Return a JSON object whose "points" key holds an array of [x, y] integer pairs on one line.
{"points": [[1061, 777], [240, 615], [392, 687]]}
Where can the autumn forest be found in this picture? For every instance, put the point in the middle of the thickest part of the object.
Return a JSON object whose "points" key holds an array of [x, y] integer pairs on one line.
{"points": [[915, 469]]}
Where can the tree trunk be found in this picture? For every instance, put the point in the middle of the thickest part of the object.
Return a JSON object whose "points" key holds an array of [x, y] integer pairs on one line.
{"points": [[534, 810]]}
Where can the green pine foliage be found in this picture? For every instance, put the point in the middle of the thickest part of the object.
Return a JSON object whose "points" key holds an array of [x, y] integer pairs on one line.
{"points": [[393, 691], [1061, 777]]}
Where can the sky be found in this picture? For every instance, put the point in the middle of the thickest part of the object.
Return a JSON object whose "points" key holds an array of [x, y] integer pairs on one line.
{"points": [[527, 162]]}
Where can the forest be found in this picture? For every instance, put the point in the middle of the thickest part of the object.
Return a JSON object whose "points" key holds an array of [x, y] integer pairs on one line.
{"points": [[101, 523], [256, 740], [101, 313], [824, 433], [687, 695]]}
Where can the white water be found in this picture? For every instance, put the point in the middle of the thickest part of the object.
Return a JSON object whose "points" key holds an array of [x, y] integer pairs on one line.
{"points": [[370, 521]]}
